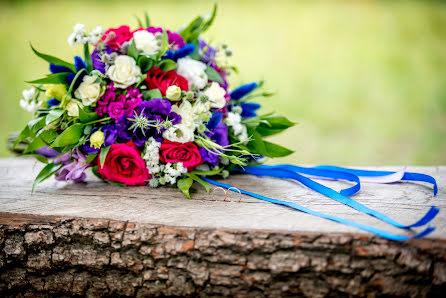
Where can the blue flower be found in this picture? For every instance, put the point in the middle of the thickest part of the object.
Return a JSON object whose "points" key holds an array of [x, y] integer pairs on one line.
{"points": [[213, 122], [78, 64], [180, 53], [248, 109], [243, 91], [53, 102]]}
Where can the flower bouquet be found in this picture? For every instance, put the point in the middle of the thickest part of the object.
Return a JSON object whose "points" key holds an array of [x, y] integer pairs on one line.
{"points": [[147, 106], [153, 107]]}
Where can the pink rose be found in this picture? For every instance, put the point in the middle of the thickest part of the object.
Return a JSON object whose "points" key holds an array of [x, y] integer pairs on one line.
{"points": [[187, 153], [118, 37], [124, 164]]}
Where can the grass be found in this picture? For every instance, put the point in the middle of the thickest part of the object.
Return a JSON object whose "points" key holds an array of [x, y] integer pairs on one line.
{"points": [[365, 80]]}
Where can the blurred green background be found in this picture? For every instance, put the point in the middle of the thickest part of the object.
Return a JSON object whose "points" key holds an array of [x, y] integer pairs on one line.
{"points": [[366, 80]]}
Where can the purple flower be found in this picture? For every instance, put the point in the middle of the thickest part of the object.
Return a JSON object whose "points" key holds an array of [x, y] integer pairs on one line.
{"points": [[73, 169], [156, 106], [219, 134], [174, 38], [48, 152], [110, 133], [96, 58], [207, 52], [209, 156]]}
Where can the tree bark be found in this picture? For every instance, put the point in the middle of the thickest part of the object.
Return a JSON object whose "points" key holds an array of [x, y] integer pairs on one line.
{"points": [[44, 256]]}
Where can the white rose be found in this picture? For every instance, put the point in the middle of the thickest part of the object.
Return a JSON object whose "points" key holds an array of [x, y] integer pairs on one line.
{"points": [[216, 95], [193, 71], [124, 72], [146, 42], [89, 91], [187, 113], [179, 133], [73, 108]]}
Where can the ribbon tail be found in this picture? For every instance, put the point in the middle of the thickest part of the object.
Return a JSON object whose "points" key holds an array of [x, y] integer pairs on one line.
{"points": [[347, 222], [276, 172]]}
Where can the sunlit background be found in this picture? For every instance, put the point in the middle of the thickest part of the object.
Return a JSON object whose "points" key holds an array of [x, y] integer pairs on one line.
{"points": [[366, 80]]}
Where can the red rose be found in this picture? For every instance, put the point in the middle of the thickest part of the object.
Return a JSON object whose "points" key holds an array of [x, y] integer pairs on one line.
{"points": [[124, 164], [121, 35], [187, 153], [157, 79]]}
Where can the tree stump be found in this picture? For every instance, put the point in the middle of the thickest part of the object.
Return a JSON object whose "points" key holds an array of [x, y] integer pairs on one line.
{"points": [[94, 239]]}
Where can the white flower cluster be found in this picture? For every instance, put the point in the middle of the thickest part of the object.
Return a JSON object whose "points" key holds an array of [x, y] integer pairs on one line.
{"points": [[80, 36], [151, 156], [29, 102], [172, 171], [161, 174], [234, 120]]}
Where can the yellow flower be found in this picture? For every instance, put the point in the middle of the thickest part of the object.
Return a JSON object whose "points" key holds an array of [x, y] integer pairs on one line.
{"points": [[55, 90], [97, 139]]}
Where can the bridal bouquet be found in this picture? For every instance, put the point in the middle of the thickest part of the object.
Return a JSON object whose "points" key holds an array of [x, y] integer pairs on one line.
{"points": [[146, 106]]}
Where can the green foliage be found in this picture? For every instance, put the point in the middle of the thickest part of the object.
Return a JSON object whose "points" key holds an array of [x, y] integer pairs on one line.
{"points": [[70, 136], [54, 115], [199, 180], [184, 185], [145, 63], [87, 116], [167, 65], [153, 93], [198, 26], [103, 155], [213, 75], [57, 78], [87, 56], [54, 60], [45, 173], [207, 173], [133, 51]]}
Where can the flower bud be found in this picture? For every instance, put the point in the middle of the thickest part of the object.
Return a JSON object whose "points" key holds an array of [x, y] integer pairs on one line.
{"points": [[55, 90], [225, 174], [97, 139], [173, 93], [72, 108]]}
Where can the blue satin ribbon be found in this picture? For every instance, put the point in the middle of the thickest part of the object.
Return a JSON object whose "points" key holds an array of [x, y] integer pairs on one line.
{"points": [[338, 173]]}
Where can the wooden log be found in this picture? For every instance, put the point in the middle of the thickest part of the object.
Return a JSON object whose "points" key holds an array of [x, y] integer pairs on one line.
{"points": [[94, 239]]}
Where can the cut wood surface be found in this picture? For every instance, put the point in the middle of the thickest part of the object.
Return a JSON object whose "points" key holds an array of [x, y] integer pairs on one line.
{"points": [[405, 202], [94, 239]]}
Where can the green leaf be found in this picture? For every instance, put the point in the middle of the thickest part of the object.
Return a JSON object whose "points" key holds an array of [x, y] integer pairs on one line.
{"points": [[90, 158], [256, 145], [35, 144], [22, 136], [87, 116], [133, 51], [275, 150], [48, 136], [164, 45], [199, 180], [144, 63], [103, 155], [209, 20], [167, 65], [275, 121], [266, 131], [184, 185], [53, 60], [69, 136], [208, 173], [57, 78], [150, 94], [138, 20], [87, 56], [147, 19], [45, 173], [213, 75], [54, 115], [39, 157]]}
